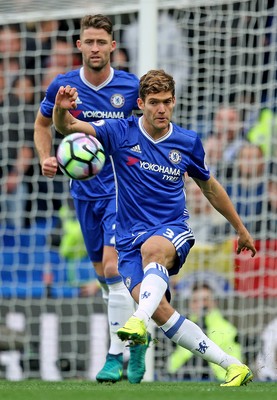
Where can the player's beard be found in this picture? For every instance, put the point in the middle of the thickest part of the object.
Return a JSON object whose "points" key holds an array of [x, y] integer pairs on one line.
{"points": [[97, 67]]}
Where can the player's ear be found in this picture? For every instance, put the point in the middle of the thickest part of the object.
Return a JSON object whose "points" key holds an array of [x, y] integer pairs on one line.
{"points": [[140, 103], [78, 44], [113, 46]]}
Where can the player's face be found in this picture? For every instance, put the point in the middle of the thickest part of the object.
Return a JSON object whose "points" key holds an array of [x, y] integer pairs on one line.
{"points": [[157, 112], [96, 46]]}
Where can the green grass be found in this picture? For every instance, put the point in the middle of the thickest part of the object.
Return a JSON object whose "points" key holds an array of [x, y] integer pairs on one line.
{"points": [[84, 390]]}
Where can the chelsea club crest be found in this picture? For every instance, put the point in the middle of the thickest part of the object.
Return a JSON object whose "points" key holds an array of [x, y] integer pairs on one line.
{"points": [[175, 156], [128, 281], [117, 100]]}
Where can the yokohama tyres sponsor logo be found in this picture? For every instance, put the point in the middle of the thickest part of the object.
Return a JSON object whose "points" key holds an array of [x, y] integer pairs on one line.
{"points": [[102, 114], [160, 168]]}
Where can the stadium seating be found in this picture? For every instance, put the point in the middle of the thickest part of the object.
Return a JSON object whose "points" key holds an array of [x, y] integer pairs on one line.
{"points": [[27, 261]]}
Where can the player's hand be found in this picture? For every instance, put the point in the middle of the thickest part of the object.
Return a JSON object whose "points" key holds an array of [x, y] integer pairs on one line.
{"points": [[246, 242], [49, 167], [66, 97]]}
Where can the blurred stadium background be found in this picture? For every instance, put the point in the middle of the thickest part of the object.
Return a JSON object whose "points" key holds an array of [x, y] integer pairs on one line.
{"points": [[221, 52]]}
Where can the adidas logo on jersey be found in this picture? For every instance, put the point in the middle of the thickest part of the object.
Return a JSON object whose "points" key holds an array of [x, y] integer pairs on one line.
{"points": [[136, 149], [78, 101]]}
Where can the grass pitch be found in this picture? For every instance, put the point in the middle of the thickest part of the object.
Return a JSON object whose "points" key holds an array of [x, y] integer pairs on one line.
{"points": [[84, 390]]}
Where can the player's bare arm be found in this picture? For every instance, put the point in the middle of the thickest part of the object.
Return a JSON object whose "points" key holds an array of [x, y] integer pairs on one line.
{"points": [[43, 144], [220, 200], [64, 122]]}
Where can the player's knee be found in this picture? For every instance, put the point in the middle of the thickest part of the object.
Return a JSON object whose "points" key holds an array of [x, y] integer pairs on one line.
{"points": [[110, 262], [152, 252], [110, 270]]}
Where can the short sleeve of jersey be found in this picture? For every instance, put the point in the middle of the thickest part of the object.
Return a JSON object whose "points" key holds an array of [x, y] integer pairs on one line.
{"points": [[47, 104], [197, 167], [111, 133]]}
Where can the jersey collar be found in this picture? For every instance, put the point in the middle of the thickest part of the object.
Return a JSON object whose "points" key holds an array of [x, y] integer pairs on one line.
{"points": [[150, 137], [96, 88]]}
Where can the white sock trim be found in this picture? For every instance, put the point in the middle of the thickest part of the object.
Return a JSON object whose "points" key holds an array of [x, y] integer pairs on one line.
{"points": [[171, 321]]}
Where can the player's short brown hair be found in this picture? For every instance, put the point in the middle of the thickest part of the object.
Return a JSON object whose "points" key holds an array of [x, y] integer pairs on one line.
{"points": [[156, 81], [97, 21]]}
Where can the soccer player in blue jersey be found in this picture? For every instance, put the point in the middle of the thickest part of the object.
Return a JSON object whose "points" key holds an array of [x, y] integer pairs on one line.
{"points": [[150, 157], [103, 92]]}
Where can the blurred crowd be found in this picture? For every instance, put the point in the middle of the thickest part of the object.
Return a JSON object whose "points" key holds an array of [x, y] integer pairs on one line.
{"points": [[241, 149]]}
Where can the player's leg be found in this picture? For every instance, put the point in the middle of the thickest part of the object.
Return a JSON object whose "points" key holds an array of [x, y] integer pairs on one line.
{"points": [[148, 287], [187, 334], [120, 307], [91, 216], [152, 281], [136, 366], [120, 303], [112, 369], [150, 295], [156, 252]]}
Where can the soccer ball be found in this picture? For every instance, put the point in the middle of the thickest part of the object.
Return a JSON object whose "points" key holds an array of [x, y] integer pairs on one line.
{"points": [[80, 156]]}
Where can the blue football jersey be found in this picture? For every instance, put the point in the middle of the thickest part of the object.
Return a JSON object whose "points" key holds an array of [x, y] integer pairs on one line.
{"points": [[149, 173], [115, 98]]}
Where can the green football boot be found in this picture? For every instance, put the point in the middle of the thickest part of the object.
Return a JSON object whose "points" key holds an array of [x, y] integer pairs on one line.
{"points": [[136, 366], [112, 370]]}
